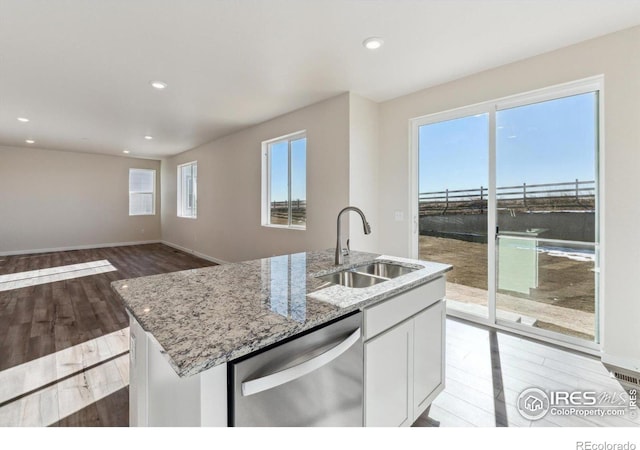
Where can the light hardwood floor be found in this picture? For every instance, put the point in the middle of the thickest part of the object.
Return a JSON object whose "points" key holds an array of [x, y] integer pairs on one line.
{"points": [[487, 370]]}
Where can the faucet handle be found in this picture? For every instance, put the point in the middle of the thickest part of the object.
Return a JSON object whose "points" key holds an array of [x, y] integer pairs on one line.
{"points": [[348, 249]]}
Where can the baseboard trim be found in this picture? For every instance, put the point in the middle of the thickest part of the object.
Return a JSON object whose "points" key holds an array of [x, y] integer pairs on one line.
{"points": [[622, 362], [76, 247], [195, 253]]}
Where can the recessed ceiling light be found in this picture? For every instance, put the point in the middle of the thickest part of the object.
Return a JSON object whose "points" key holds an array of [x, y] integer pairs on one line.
{"points": [[125, 151], [23, 119], [373, 43], [148, 138], [30, 141], [159, 85]]}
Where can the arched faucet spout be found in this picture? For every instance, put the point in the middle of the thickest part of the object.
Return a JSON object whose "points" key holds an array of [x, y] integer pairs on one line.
{"points": [[340, 252]]}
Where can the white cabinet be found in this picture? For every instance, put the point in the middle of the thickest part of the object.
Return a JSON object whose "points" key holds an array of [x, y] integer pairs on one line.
{"points": [[404, 362], [428, 357], [387, 371]]}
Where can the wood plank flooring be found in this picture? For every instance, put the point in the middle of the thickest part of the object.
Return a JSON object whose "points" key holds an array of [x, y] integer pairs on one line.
{"points": [[486, 370], [111, 411], [39, 320], [69, 331], [64, 343]]}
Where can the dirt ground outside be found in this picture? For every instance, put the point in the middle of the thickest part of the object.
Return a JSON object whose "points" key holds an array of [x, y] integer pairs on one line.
{"points": [[563, 282]]}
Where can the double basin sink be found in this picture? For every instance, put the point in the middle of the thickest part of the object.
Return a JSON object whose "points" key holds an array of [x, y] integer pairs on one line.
{"points": [[367, 275]]}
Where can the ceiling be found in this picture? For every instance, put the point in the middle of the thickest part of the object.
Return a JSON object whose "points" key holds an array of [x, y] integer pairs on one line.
{"points": [[80, 70]]}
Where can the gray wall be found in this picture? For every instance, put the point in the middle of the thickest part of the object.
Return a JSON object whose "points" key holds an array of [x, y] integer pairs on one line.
{"points": [[52, 199], [228, 226], [363, 171], [571, 226]]}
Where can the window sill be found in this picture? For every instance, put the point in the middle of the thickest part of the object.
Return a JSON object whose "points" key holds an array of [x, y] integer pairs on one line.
{"points": [[187, 217], [285, 227]]}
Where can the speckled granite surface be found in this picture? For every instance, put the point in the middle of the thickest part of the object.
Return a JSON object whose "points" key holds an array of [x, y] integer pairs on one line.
{"points": [[205, 317]]}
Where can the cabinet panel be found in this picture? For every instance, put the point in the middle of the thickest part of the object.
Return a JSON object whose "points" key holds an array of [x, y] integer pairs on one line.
{"points": [[387, 372], [138, 374], [388, 313], [428, 365], [173, 401]]}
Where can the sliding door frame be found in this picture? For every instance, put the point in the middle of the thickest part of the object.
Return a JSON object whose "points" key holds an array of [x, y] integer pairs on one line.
{"points": [[458, 113], [591, 84]]}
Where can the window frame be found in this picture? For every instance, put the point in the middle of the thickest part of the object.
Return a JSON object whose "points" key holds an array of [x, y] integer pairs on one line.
{"points": [[180, 209], [153, 192], [266, 180]]}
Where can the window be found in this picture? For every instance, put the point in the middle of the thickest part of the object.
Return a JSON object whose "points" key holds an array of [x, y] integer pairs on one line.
{"points": [[187, 189], [142, 192], [284, 181]]}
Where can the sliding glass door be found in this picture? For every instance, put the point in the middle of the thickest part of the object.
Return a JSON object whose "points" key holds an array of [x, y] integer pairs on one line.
{"points": [[507, 192], [546, 161], [452, 204]]}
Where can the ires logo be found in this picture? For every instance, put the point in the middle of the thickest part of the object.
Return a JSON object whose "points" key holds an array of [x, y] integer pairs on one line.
{"points": [[577, 398], [588, 398], [534, 403]]}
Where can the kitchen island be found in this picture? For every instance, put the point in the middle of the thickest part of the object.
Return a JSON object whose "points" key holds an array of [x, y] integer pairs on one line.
{"points": [[188, 326]]}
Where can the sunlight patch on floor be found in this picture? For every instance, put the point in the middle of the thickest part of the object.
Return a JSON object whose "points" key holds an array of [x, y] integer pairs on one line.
{"points": [[42, 276], [62, 383]]}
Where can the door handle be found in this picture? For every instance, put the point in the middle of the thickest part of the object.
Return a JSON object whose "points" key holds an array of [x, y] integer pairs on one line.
{"points": [[284, 376]]}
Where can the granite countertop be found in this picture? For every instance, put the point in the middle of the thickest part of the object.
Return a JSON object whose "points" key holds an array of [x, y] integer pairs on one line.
{"points": [[205, 317]]}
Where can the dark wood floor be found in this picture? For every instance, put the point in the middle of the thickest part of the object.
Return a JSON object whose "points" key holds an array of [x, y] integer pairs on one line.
{"points": [[40, 320]]}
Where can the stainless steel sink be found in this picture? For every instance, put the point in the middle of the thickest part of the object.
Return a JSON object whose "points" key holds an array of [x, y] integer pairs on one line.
{"points": [[385, 270], [367, 275], [352, 279]]}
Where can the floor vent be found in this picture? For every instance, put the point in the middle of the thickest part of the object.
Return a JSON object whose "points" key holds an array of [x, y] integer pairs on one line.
{"points": [[626, 378]]}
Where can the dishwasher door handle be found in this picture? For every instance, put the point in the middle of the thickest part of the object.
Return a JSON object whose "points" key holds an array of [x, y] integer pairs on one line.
{"points": [[284, 376]]}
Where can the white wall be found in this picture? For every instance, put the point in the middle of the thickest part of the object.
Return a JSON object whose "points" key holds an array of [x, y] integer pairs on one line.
{"points": [[228, 226], [53, 199], [363, 171], [617, 56]]}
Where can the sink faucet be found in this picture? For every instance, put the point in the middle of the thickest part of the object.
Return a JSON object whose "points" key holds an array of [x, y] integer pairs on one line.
{"points": [[339, 249]]}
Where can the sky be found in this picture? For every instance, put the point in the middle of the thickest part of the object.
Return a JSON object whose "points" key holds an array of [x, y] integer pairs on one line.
{"points": [[279, 175], [548, 142]]}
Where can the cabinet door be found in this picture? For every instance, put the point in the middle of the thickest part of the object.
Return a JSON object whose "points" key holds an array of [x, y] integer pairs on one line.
{"points": [[388, 369], [428, 367]]}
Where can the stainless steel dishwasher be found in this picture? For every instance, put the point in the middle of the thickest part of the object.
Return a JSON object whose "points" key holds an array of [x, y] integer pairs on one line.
{"points": [[312, 380]]}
